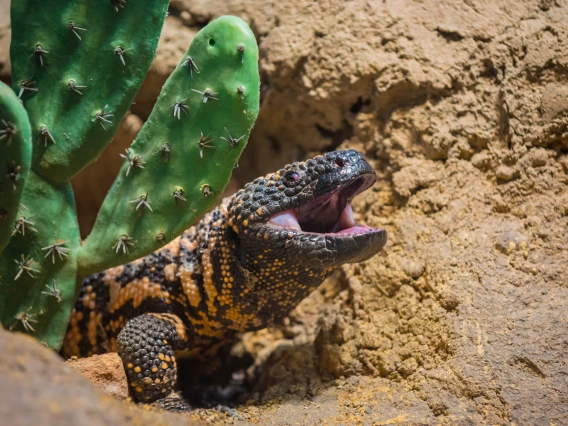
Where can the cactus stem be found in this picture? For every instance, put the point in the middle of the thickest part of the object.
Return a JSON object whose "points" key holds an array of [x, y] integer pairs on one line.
{"points": [[142, 202], [46, 135], [25, 319], [241, 49], [118, 3], [102, 115], [123, 242], [232, 141], [119, 51], [9, 131], [179, 106], [27, 85], [206, 190], [164, 152], [135, 161], [71, 25], [178, 195], [207, 94], [13, 173], [57, 247], [53, 291], [204, 143], [190, 64], [72, 85], [39, 51], [160, 236], [26, 265], [21, 223]]}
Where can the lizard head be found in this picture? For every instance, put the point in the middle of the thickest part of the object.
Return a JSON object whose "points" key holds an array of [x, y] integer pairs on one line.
{"points": [[302, 215]]}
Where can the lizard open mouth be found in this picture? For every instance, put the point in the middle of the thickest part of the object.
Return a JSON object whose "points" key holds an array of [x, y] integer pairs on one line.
{"points": [[307, 211], [329, 213]]}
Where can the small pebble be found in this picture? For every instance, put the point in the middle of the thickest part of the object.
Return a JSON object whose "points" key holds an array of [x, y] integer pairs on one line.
{"points": [[506, 173], [234, 413], [509, 241]]}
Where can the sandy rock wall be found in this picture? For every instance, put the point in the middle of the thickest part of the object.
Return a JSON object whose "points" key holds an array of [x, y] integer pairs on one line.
{"points": [[462, 107]]}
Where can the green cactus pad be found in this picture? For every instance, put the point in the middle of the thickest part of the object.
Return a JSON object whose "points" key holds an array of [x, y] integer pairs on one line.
{"points": [[74, 79], [38, 298], [15, 158], [184, 155]]}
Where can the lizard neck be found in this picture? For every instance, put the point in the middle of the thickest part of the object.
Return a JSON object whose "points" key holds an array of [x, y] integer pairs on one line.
{"points": [[242, 284]]}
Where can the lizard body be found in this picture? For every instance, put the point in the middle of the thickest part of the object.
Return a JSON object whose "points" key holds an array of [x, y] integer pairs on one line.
{"points": [[243, 267]]}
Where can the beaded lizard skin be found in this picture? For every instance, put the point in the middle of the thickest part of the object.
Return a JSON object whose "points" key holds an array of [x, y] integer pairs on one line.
{"points": [[245, 266]]}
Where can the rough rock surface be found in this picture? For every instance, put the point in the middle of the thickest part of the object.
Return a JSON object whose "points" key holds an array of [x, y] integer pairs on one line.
{"points": [[462, 107], [105, 371], [37, 388]]}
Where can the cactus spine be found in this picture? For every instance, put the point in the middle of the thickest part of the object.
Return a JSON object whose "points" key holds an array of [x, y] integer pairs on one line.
{"points": [[77, 66]]}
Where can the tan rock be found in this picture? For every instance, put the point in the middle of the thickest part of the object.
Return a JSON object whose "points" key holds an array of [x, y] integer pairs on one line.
{"points": [[105, 372], [38, 388]]}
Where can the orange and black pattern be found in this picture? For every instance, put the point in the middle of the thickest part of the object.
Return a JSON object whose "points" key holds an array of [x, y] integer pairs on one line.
{"points": [[229, 274]]}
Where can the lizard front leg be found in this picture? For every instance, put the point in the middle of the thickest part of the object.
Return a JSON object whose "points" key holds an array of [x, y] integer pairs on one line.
{"points": [[146, 345]]}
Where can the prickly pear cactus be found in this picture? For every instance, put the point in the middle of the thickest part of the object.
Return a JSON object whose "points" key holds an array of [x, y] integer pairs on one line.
{"points": [[183, 157], [77, 66], [39, 266], [16, 152]]}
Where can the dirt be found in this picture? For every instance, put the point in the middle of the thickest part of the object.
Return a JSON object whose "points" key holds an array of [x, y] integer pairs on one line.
{"points": [[462, 107]]}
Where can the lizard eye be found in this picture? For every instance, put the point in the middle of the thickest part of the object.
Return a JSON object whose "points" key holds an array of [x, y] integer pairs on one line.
{"points": [[292, 177]]}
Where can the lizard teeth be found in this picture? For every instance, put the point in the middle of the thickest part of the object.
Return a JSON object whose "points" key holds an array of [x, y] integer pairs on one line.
{"points": [[286, 219]]}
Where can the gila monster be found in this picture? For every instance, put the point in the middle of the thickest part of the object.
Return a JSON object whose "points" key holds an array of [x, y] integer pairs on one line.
{"points": [[245, 266]]}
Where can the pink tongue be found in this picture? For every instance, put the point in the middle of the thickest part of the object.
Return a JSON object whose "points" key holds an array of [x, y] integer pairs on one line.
{"points": [[286, 219], [346, 225], [346, 220]]}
